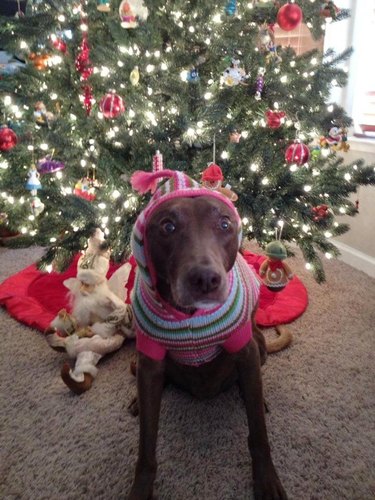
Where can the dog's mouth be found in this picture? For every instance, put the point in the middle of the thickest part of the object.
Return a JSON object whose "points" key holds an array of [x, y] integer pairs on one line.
{"points": [[197, 293], [207, 304], [190, 305]]}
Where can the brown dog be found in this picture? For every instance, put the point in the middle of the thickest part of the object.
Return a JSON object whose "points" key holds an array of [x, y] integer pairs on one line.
{"points": [[192, 246]]}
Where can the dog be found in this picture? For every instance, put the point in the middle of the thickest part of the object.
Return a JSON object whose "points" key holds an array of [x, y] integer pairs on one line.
{"points": [[194, 303]]}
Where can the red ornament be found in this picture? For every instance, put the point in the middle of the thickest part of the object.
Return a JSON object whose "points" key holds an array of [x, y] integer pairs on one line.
{"points": [[329, 9], [289, 16], [157, 162], [83, 66], [112, 105], [83, 63], [85, 188], [212, 176], [320, 212], [274, 118], [297, 153], [59, 44], [8, 139], [88, 98]]}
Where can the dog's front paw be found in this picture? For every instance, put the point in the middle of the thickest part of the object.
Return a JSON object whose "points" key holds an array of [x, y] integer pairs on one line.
{"points": [[141, 490], [267, 485]]}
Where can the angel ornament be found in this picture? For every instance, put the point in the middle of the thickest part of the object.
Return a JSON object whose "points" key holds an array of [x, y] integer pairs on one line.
{"points": [[99, 319]]}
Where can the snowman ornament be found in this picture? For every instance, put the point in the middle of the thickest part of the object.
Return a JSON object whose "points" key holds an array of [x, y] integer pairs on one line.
{"points": [[234, 75]]}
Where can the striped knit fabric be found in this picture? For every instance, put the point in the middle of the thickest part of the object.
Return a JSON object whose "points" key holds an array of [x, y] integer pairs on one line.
{"points": [[198, 338], [189, 339]]}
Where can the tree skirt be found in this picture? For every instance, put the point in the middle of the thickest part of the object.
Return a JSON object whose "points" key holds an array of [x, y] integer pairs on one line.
{"points": [[34, 297]]}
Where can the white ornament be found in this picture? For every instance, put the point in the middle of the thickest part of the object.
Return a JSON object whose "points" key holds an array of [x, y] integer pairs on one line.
{"points": [[132, 12], [37, 206], [234, 75]]}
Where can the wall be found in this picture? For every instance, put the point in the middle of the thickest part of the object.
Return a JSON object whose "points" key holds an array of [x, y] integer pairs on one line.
{"points": [[358, 245]]}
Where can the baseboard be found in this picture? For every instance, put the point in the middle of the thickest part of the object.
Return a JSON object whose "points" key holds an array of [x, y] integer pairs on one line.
{"points": [[356, 259]]}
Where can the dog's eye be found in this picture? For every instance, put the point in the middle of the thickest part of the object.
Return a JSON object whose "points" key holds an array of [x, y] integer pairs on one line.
{"points": [[224, 223], [168, 227]]}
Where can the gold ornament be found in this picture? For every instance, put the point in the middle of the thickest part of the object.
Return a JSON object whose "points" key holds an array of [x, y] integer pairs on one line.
{"points": [[134, 76], [40, 61]]}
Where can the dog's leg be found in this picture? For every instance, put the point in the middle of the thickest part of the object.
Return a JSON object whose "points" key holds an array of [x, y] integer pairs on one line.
{"points": [[259, 337], [150, 382], [267, 485]]}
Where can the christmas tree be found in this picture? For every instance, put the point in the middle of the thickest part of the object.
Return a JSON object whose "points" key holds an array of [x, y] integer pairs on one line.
{"points": [[108, 83]]}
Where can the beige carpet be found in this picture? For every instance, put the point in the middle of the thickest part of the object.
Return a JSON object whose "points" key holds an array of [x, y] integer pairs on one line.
{"points": [[320, 392]]}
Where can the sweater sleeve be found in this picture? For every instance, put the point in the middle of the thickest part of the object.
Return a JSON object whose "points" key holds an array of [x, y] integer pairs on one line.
{"points": [[239, 338], [150, 347]]}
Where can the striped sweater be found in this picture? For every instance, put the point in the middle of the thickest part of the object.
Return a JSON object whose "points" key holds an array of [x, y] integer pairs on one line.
{"points": [[198, 338]]}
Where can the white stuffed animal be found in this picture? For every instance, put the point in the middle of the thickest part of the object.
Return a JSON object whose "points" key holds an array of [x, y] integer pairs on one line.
{"points": [[99, 320]]}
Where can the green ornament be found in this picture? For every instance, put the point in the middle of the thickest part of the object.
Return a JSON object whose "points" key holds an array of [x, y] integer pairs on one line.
{"points": [[315, 153], [276, 250]]}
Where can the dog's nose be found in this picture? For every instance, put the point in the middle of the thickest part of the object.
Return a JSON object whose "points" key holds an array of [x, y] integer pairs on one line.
{"points": [[203, 280]]}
